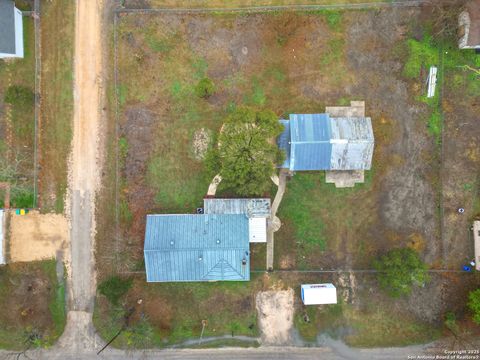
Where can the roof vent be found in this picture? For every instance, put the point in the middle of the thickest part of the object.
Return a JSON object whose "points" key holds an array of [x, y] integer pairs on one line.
{"points": [[200, 257], [172, 242], [218, 241]]}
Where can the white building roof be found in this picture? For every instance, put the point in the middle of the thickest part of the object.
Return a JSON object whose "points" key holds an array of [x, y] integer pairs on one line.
{"points": [[257, 229], [319, 294]]}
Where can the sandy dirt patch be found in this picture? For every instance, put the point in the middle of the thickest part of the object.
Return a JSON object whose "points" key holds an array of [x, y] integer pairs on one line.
{"points": [[37, 236], [275, 316], [201, 141]]}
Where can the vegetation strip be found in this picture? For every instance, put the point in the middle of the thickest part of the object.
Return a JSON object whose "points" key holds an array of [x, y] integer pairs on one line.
{"points": [[38, 74], [278, 7]]}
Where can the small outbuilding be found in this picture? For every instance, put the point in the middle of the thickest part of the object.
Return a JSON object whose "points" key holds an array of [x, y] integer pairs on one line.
{"points": [[321, 142], [11, 30], [319, 294]]}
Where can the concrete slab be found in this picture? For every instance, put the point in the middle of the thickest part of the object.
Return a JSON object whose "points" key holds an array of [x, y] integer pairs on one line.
{"points": [[356, 109], [344, 179]]}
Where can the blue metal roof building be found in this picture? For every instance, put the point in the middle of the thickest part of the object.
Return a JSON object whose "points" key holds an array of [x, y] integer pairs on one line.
{"points": [[197, 248], [319, 142]]}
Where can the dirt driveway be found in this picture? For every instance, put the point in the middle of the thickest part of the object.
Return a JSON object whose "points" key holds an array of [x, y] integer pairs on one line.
{"points": [[84, 176]]}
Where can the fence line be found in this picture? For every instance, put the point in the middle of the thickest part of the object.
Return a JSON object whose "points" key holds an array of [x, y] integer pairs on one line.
{"points": [[404, 3], [331, 271], [38, 67]]}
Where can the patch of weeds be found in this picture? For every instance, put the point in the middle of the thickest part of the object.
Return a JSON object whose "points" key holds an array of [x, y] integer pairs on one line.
{"points": [[422, 53], [305, 323], [58, 309], [333, 18], [122, 94], [176, 187], [205, 88], [435, 124], [122, 150], [281, 39], [160, 45], [124, 212], [343, 101], [297, 206], [275, 73], [257, 96], [114, 288], [21, 197], [334, 53], [20, 96], [200, 67]]}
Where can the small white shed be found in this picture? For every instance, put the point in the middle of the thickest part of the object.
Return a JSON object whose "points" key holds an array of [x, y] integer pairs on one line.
{"points": [[319, 294]]}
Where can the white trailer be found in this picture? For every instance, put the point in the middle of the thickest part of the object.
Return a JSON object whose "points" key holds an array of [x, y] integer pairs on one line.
{"points": [[319, 294]]}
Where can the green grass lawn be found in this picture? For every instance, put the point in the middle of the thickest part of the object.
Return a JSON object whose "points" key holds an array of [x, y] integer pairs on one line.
{"points": [[32, 305], [17, 82], [57, 101], [171, 313]]}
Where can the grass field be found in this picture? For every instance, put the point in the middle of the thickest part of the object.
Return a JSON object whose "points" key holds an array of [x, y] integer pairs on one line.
{"points": [[17, 82], [33, 305], [57, 102]]}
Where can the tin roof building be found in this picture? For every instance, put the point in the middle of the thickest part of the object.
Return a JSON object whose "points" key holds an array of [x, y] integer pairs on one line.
{"points": [[321, 142], [203, 247]]}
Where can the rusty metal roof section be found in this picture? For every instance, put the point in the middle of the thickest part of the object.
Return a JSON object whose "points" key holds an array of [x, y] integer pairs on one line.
{"points": [[251, 207]]}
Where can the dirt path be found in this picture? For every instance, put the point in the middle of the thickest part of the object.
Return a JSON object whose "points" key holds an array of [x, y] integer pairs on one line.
{"points": [[275, 223], [84, 176]]}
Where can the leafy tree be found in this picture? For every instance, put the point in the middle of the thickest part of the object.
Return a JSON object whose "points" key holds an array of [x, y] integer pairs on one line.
{"points": [[474, 305], [114, 288], [205, 88], [246, 154], [399, 269]]}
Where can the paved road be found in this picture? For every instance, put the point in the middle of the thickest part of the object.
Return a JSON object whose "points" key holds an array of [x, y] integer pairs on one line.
{"points": [[265, 353]]}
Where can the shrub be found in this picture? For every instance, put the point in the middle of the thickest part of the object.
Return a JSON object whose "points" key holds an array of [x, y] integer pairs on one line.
{"points": [[399, 269], [20, 96], [205, 88], [114, 288], [474, 305]]}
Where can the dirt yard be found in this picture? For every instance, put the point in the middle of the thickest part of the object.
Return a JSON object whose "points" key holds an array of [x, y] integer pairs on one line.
{"points": [[37, 236], [275, 316]]}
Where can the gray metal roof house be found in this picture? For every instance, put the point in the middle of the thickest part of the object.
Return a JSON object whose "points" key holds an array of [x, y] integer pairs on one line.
{"points": [[11, 30], [207, 247], [321, 142]]}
